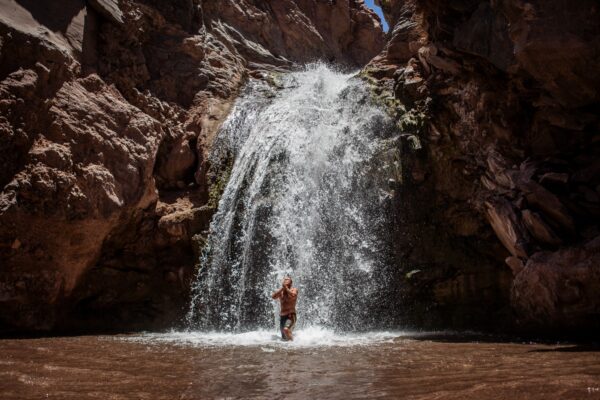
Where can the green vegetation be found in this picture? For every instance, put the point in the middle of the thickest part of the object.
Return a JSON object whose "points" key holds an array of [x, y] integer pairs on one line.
{"points": [[220, 181], [412, 121]]}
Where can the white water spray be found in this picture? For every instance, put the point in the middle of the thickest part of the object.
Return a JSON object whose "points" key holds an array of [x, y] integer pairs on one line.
{"points": [[306, 197]]}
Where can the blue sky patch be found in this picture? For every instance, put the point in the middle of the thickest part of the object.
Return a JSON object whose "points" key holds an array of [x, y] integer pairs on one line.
{"points": [[377, 9]]}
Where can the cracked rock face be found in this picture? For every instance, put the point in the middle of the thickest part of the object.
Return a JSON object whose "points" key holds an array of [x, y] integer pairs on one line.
{"points": [[107, 112], [507, 93]]}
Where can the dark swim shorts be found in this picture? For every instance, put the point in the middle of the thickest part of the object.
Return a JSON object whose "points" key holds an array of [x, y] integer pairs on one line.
{"points": [[287, 321]]}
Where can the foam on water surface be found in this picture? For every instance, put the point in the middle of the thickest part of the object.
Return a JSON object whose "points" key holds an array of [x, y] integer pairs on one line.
{"points": [[269, 339]]}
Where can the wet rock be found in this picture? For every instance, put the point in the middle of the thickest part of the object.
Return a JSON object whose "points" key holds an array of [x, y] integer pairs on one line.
{"points": [[412, 83], [92, 92]]}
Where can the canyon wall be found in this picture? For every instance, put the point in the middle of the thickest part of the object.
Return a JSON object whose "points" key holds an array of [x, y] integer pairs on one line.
{"points": [[107, 112], [108, 109], [499, 103]]}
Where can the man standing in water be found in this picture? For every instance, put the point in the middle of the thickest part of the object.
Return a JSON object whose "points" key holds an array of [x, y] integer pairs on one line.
{"points": [[287, 296]]}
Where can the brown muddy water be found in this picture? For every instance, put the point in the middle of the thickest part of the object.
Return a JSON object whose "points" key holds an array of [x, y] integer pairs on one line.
{"points": [[318, 365]]}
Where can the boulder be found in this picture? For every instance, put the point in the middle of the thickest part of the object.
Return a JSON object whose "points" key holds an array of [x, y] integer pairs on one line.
{"points": [[560, 289]]}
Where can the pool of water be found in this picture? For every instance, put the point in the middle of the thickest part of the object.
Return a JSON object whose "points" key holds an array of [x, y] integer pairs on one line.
{"points": [[319, 364]]}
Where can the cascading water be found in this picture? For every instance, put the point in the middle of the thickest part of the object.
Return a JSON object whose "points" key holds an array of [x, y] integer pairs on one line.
{"points": [[307, 196]]}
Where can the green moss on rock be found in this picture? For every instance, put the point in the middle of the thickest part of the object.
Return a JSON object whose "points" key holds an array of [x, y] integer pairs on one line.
{"points": [[218, 186]]}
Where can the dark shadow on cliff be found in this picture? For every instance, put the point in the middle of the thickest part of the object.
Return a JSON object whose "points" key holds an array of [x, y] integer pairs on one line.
{"points": [[57, 16]]}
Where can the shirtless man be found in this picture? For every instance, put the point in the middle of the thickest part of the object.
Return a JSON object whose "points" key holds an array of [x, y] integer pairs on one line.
{"points": [[287, 296]]}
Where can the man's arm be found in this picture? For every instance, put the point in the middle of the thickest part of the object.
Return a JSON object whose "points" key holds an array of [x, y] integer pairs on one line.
{"points": [[290, 292], [277, 294]]}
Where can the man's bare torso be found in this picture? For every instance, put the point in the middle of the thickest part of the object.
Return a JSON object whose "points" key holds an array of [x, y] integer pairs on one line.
{"points": [[288, 302], [287, 296]]}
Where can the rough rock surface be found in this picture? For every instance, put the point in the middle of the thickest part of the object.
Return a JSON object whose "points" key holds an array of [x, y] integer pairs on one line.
{"points": [[108, 109], [107, 112], [502, 97], [560, 289]]}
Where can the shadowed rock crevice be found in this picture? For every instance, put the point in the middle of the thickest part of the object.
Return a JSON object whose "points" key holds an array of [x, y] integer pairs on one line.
{"points": [[56, 16]]}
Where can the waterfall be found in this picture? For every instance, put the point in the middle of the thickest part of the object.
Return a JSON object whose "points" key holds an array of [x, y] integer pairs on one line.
{"points": [[308, 196]]}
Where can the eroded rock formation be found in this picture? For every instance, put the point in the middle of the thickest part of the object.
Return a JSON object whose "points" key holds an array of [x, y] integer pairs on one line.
{"points": [[502, 98], [108, 109]]}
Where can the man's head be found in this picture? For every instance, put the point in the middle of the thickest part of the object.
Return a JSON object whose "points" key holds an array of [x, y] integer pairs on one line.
{"points": [[287, 282]]}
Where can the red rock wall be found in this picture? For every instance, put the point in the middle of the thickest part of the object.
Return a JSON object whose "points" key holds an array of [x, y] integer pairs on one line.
{"points": [[107, 111], [502, 97]]}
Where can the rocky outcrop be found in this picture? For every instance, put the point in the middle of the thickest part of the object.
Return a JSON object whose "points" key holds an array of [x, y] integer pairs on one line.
{"points": [[108, 110], [503, 98], [560, 289], [279, 32]]}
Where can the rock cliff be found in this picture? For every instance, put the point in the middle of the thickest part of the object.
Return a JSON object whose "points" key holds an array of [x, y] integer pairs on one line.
{"points": [[107, 111], [499, 102]]}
